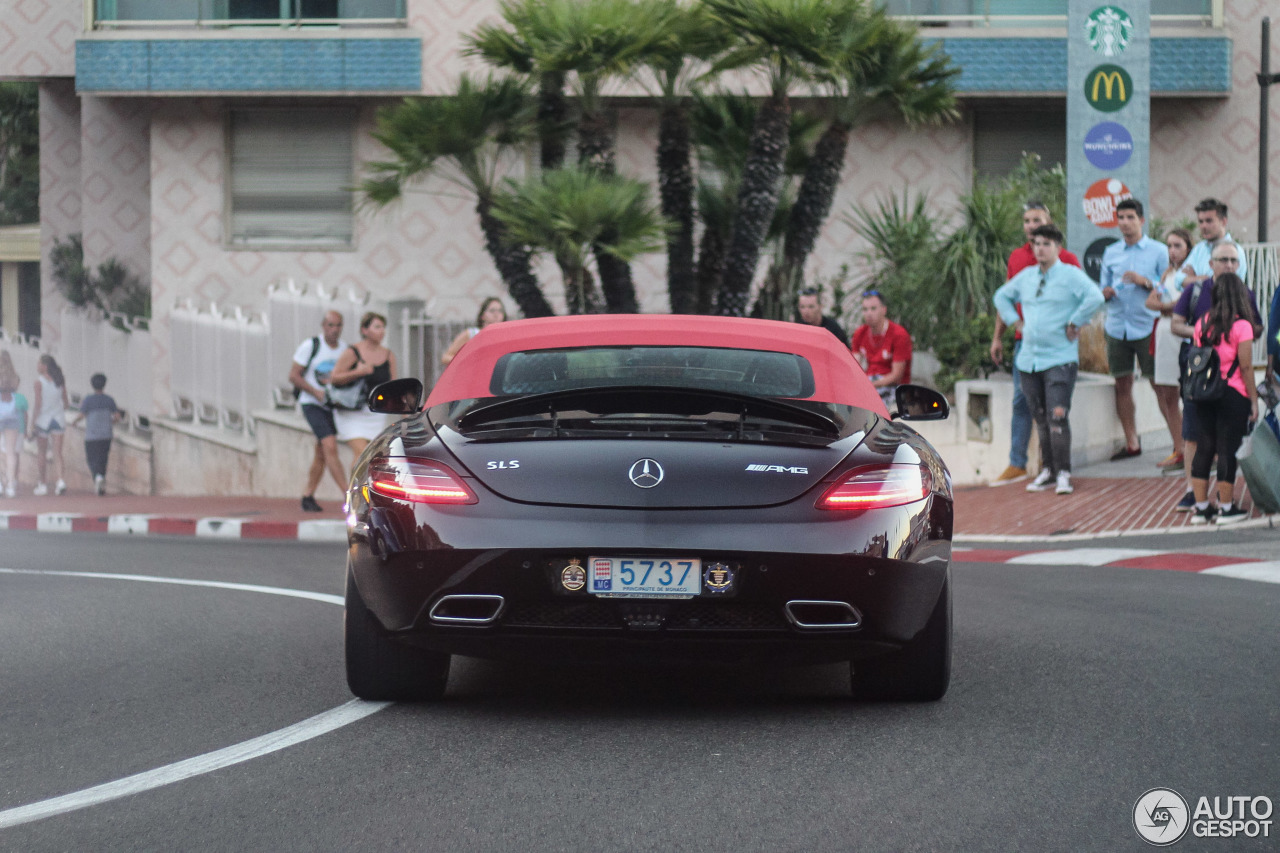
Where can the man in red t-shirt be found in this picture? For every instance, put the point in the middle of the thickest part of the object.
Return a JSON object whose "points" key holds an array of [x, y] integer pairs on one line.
{"points": [[882, 347], [1034, 214]]}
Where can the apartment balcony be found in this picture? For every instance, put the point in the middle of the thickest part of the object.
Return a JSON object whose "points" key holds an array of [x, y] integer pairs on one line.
{"points": [[1016, 48], [260, 47]]}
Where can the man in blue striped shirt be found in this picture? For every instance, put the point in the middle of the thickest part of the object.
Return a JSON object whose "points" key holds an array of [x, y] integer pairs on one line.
{"points": [[1057, 300], [1131, 267]]}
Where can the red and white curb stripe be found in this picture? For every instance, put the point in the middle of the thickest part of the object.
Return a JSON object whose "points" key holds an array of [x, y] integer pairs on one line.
{"points": [[319, 530], [1267, 571]]}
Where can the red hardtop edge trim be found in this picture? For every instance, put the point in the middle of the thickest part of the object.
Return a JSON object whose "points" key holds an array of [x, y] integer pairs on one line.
{"points": [[837, 376]]}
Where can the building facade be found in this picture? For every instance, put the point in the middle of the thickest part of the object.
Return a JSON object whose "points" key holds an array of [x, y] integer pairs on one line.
{"points": [[209, 144]]}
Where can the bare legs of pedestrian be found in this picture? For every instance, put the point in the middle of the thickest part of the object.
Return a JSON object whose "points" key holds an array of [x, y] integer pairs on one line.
{"points": [[1167, 400], [10, 449], [43, 445], [357, 446], [325, 458], [1125, 410]]}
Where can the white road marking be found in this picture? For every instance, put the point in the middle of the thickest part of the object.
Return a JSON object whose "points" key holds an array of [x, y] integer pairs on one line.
{"points": [[1267, 572], [1083, 556], [243, 587], [335, 718]]}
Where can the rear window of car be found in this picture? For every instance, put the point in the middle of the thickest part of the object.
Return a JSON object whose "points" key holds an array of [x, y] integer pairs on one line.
{"points": [[757, 373]]}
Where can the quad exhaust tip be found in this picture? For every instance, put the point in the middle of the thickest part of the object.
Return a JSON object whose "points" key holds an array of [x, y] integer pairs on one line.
{"points": [[468, 609], [818, 615]]}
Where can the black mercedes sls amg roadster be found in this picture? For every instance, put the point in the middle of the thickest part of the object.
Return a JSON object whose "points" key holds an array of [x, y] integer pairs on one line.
{"points": [[650, 490]]}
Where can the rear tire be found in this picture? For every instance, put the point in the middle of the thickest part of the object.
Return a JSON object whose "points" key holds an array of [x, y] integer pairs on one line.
{"points": [[920, 671], [379, 668]]}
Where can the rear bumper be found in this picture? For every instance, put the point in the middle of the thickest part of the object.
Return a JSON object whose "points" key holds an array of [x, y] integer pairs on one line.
{"points": [[888, 565]]}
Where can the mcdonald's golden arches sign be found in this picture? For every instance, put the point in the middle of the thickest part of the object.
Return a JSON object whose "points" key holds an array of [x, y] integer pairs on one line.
{"points": [[1108, 88]]}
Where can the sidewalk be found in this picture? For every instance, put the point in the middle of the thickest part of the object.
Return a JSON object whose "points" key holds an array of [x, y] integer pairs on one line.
{"points": [[1125, 498], [1111, 499]]}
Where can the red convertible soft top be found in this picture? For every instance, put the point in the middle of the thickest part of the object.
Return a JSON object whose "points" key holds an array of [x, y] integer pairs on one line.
{"points": [[837, 376]]}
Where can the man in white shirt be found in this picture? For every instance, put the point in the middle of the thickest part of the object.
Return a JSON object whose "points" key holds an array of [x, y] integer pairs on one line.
{"points": [[309, 373]]}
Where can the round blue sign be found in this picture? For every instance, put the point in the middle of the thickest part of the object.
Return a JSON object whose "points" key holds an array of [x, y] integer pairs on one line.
{"points": [[1108, 145]]}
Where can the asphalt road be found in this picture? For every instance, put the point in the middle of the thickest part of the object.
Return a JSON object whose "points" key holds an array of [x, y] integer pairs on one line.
{"points": [[1075, 690]]}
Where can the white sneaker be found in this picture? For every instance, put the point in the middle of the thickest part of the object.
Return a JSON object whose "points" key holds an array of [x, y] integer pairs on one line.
{"points": [[99, 484], [60, 488], [40, 489], [1064, 483], [10, 491], [1042, 481]]}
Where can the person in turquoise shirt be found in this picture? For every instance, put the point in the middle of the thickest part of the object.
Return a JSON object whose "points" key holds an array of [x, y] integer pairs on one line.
{"points": [[1057, 300], [1131, 269]]}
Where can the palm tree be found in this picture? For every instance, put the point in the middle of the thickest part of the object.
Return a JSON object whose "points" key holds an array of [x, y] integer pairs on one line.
{"points": [[788, 40], [471, 131], [572, 213], [691, 36], [590, 42], [881, 70], [722, 126], [19, 153]]}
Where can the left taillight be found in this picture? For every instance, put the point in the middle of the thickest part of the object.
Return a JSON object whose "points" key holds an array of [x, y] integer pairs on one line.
{"points": [[876, 486], [418, 481]]}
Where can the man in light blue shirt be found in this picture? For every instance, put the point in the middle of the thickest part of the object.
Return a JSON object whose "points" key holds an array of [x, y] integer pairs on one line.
{"points": [[1056, 300], [1131, 268], [1211, 220]]}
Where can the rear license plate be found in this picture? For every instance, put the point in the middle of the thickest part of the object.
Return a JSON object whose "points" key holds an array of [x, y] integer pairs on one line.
{"points": [[637, 577]]}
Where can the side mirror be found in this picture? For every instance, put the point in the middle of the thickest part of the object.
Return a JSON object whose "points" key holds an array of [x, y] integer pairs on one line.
{"points": [[397, 397], [917, 403]]}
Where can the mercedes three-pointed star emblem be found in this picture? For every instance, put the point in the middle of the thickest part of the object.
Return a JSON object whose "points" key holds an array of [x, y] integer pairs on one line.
{"points": [[646, 473]]}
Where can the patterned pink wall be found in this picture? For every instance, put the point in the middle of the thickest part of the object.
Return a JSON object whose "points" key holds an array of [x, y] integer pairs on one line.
{"points": [[115, 177], [1209, 147], [60, 204], [38, 37]]}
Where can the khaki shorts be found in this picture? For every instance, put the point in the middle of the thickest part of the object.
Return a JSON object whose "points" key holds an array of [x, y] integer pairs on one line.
{"points": [[1120, 355]]}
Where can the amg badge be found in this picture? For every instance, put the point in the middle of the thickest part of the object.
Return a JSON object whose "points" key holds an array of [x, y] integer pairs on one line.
{"points": [[780, 469]]}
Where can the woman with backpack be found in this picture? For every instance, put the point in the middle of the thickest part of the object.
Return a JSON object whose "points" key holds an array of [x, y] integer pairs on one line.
{"points": [[1224, 418]]}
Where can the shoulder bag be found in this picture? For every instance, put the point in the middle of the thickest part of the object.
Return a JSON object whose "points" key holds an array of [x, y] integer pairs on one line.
{"points": [[352, 396]]}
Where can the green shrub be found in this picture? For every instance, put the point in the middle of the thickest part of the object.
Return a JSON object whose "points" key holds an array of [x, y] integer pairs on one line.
{"points": [[939, 277]]}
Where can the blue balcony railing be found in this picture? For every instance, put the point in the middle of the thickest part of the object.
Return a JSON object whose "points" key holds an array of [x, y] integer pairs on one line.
{"points": [[1041, 13], [113, 14]]}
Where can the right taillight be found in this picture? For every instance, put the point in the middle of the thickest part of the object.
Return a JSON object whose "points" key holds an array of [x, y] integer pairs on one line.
{"points": [[875, 486], [418, 481]]}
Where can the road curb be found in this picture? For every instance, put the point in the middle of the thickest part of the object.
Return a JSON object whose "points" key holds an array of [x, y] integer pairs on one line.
{"points": [[1252, 523], [213, 527], [1266, 571]]}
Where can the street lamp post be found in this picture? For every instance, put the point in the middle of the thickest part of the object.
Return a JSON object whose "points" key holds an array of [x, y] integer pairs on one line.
{"points": [[1265, 80]]}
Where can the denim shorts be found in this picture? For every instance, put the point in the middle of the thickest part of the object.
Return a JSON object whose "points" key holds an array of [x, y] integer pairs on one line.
{"points": [[320, 419], [54, 428]]}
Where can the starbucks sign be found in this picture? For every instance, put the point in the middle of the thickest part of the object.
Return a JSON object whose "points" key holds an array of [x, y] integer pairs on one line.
{"points": [[1109, 29]]}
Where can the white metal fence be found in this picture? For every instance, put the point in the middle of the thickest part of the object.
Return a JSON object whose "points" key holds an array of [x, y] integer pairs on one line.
{"points": [[1264, 278], [217, 359], [294, 313], [119, 348]]}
